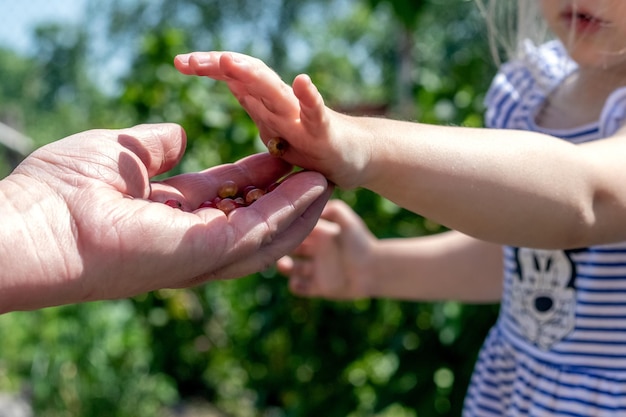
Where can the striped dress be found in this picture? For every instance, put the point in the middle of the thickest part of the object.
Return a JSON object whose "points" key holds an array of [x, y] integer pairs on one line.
{"points": [[559, 345]]}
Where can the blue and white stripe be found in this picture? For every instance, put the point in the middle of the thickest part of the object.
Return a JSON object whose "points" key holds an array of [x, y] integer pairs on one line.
{"points": [[584, 373]]}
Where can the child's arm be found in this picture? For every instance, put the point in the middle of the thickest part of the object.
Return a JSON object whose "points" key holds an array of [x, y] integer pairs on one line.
{"points": [[341, 259], [510, 187]]}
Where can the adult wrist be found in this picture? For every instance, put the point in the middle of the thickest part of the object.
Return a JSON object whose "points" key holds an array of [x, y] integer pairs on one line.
{"points": [[33, 261]]}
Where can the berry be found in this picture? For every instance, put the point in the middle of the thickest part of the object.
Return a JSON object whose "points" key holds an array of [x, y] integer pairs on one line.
{"points": [[227, 205], [247, 189], [272, 187], [253, 195], [229, 197], [277, 146], [174, 203], [207, 204], [228, 189]]}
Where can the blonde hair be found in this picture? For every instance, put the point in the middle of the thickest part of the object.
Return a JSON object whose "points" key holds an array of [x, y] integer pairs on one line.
{"points": [[510, 23]]}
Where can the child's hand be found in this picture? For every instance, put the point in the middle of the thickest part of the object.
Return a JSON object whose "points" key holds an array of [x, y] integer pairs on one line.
{"points": [[319, 139], [332, 262]]}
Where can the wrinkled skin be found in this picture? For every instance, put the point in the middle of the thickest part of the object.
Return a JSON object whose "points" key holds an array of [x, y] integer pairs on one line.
{"points": [[82, 220]]}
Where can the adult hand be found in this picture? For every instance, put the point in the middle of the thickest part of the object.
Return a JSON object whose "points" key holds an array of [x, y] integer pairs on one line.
{"points": [[81, 220]]}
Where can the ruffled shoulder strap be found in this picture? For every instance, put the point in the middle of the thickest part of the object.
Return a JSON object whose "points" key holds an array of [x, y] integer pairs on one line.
{"points": [[614, 113], [524, 82]]}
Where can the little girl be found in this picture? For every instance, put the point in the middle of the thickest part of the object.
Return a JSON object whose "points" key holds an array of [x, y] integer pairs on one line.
{"points": [[536, 205]]}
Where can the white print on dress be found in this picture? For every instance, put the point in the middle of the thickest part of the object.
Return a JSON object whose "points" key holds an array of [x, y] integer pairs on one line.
{"points": [[544, 295]]}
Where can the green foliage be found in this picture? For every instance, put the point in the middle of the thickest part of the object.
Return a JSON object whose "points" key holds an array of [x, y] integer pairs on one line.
{"points": [[83, 360], [248, 345], [405, 11], [49, 96]]}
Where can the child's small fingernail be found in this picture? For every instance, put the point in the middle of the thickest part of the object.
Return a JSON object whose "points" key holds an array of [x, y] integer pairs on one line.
{"points": [[183, 58]]}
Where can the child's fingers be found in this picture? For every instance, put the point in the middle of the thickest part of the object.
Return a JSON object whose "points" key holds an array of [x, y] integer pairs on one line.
{"points": [[261, 82], [204, 64], [181, 62], [284, 265], [259, 90], [318, 240], [312, 107], [337, 212]]}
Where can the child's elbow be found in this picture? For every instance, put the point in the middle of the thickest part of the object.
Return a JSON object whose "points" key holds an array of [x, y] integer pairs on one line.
{"points": [[598, 220]]}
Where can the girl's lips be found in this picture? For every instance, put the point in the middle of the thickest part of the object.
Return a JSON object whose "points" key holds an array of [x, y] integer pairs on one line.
{"points": [[581, 21]]}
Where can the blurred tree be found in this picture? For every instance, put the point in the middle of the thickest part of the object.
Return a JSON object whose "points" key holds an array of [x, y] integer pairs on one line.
{"points": [[85, 360], [248, 345], [49, 96], [12, 71]]}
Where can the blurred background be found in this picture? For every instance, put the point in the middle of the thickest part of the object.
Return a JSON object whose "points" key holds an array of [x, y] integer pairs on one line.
{"points": [[241, 348]]}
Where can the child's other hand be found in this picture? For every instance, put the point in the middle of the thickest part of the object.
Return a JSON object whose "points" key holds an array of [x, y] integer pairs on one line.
{"points": [[332, 262], [319, 139]]}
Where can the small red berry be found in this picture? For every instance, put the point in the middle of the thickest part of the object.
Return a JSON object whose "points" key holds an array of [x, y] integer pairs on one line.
{"points": [[253, 195], [174, 203], [247, 189], [272, 187], [207, 204], [227, 205]]}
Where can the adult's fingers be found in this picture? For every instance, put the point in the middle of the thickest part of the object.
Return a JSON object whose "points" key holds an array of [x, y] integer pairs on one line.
{"points": [[122, 159], [275, 224], [159, 146], [259, 170]]}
